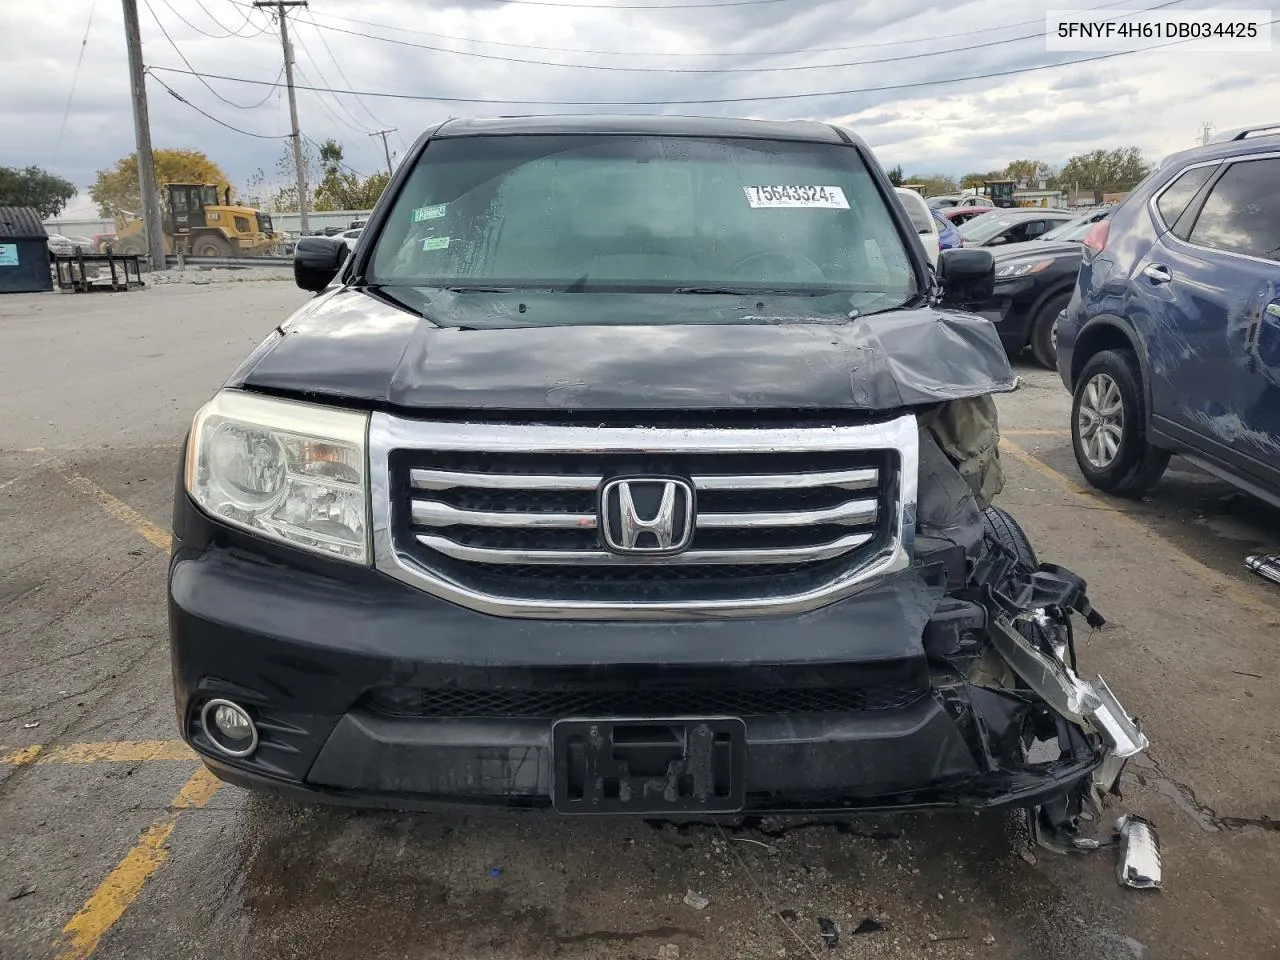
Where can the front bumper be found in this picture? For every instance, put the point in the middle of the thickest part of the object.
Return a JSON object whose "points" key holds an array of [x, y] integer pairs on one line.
{"points": [[350, 674]]}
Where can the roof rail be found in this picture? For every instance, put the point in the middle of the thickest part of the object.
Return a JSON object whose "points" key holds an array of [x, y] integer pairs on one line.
{"points": [[1244, 132]]}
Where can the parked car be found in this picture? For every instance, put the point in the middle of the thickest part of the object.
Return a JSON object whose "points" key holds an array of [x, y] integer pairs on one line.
{"points": [[349, 237], [568, 491], [948, 236], [1034, 282], [922, 219], [1171, 341], [961, 215], [1011, 225], [60, 245], [950, 200]]}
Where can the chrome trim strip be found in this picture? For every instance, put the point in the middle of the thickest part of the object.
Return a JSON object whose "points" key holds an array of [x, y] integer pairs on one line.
{"points": [[446, 479], [852, 513], [388, 433], [569, 558], [429, 513], [845, 479]]}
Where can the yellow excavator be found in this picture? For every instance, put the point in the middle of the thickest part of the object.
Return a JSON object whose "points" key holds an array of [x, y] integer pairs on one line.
{"points": [[196, 224]]}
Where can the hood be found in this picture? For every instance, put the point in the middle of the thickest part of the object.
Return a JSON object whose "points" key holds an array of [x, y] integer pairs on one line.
{"points": [[1031, 248], [351, 345]]}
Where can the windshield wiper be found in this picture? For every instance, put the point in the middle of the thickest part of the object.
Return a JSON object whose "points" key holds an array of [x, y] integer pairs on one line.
{"points": [[744, 292]]}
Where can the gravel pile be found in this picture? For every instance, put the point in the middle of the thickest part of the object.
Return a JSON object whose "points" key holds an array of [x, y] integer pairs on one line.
{"points": [[197, 275]]}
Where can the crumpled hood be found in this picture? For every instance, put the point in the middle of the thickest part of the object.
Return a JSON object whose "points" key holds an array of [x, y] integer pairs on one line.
{"points": [[353, 346]]}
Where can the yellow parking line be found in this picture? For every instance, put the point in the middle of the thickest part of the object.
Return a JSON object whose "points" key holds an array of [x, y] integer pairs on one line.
{"points": [[1220, 584], [122, 512], [110, 751], [108, 903]]}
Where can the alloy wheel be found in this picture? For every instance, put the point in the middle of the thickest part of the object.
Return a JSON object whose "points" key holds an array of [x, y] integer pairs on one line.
{"points": [[1101, 420]]}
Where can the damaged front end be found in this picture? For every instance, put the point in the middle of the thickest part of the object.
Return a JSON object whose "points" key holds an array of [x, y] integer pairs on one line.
{"points": [[1002, 650]]}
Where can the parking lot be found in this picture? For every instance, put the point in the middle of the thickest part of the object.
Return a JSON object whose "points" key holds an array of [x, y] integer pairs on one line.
{"points": [[115, 843]]}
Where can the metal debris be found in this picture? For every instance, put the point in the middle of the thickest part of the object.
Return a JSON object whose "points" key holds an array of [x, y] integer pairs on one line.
{"points": [[1138, 864], [696, 900], [1265, 565], [830, 932]]}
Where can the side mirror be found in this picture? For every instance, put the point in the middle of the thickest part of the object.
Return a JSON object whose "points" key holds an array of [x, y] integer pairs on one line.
{"points": [[316, 261], [966, 275]]}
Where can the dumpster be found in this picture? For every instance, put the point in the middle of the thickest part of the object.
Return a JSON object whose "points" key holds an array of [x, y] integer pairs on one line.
{"points": [[24, 252]]}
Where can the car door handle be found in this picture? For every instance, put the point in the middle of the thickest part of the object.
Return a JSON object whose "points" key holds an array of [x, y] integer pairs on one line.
{"points": [[1157, 273]]}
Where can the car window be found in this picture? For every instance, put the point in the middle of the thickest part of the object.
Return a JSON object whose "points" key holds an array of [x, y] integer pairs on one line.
{"points": [[1077, 228], [1178, 194], [917, 210], [645, 214], [1242, 213], [986, 226]]}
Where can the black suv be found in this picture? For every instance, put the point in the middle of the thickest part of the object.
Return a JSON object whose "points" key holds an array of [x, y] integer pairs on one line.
{"points": [[629, 465]]}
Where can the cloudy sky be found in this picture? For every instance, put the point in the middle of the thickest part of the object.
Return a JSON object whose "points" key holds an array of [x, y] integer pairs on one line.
{"points": [[483, 57]]}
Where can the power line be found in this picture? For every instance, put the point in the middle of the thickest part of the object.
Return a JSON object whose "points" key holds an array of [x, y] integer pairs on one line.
{"points": [[337, 63], [324, 106], [342, 163], [668, 53], [1039, 34], [209, 13], [181, 99], [194, 72], [214, 36], [716, 100], [359, 127], [75, 77]]}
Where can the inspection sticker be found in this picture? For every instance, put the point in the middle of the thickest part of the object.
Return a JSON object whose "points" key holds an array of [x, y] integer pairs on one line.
{"points": [[435, 243], [429, 213], [830, 198]]}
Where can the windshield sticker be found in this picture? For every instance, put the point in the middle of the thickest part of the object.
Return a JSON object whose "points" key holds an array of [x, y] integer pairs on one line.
{"points": [[429, 213], [435, 243], [829, 198]]}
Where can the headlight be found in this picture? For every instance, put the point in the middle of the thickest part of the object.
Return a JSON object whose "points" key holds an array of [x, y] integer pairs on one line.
{"points": [[294, 472], [1021, 268]]}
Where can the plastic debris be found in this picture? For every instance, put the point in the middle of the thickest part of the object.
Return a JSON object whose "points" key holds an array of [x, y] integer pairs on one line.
{"points": [[495, 872], [869, 925], [830, 932], [1138, 864], [696, 900], [989, 940], [669, 951], [31, 726]]}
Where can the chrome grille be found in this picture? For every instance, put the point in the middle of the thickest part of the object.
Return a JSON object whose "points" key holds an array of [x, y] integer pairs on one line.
{"points": [[506, 518]]}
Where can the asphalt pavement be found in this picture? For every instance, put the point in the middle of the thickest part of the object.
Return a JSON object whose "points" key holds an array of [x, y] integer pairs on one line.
{"points": [[114, 844]]}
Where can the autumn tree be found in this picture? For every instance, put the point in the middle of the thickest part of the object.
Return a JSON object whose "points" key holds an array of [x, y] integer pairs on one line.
{"points": [[116, 190], [34, 187], [1105, 170], [1027, 171], [934, 184], [972, 180]]}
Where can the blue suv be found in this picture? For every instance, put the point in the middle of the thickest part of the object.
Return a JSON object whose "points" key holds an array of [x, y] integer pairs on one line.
{"points": [[1171, 340]]}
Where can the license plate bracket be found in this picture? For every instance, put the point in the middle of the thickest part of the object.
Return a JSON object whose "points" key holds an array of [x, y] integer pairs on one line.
{"points": [[648, 765]]}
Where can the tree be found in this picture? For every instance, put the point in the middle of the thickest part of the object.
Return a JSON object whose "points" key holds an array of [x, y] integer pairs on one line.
{"points": [[341, 188], [970, 180], [116, 190], [281, 194], [1105, 170], [896, 177], [934, 184], [34, 187], [1029, 171]]}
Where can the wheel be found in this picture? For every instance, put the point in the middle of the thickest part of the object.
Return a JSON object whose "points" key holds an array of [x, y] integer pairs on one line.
{"points": [[211, 245], [1109, 426], [127, 248], [1000, 526], [1043, 341]]}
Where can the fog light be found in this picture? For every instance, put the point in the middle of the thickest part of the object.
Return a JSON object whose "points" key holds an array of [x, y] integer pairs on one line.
{"points": [[229, 728]]}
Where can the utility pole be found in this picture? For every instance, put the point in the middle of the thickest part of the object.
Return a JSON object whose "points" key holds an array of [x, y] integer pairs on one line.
{"points": [[152, 227], [385, 148], [281, 7], [1206, 129]]}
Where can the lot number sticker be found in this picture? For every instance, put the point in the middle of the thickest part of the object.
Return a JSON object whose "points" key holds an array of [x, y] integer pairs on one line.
{"points": [[829, 198], [429, 213], [435, 243]]}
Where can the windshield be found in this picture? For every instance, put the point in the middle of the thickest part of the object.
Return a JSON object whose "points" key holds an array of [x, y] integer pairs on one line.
{"points": [[1074, 229], [985, 226], [644, 214]]}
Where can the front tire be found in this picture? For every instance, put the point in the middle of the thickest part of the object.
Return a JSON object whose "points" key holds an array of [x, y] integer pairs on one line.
{"points": [[1109, 426], [1043, 344], [211, 245]]}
